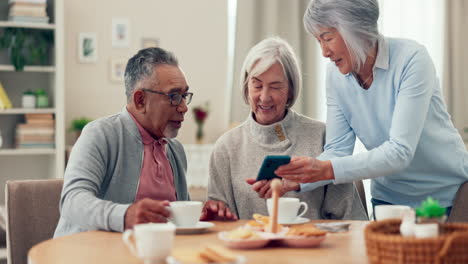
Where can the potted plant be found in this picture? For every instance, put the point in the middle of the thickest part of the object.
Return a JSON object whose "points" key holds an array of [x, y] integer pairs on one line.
{"points": [[26, 46], [78, 124], [430, 211]]}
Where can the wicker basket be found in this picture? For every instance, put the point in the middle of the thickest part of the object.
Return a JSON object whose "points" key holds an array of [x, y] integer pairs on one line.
{"points": [[385, 244]]}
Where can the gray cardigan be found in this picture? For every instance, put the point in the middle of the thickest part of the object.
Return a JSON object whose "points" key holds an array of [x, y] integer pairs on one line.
{"points": [[103, 172], [239, 153]]}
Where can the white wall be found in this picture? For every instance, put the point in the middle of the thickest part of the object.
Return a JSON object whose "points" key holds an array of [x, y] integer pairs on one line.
{"points": [[196, 31]]}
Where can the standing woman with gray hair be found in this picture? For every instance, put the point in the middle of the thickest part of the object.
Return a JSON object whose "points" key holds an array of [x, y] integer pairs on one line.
{"points": [[270, 84], [385, 92]]}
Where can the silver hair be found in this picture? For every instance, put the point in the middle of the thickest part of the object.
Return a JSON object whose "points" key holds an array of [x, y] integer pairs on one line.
{"points": [[355, 20], [142, 65], [262, 56]]}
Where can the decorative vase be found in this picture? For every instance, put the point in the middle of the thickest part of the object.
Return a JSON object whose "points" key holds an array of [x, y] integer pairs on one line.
{"points": [[199, 135]]}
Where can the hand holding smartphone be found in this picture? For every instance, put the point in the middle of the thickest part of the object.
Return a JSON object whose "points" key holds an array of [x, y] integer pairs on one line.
{"points": [[270, 164]]}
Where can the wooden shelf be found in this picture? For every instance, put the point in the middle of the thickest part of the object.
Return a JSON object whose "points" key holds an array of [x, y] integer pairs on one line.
{"points": [[4, 67], [19, 111], [19, 152], [5, 24]]}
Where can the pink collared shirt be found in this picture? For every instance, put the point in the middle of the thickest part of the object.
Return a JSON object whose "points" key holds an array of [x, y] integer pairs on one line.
{"points": [[156, 178]]}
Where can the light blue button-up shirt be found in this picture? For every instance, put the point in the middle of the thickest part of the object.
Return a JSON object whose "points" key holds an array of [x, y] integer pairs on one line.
{"points": [[414, 151]]}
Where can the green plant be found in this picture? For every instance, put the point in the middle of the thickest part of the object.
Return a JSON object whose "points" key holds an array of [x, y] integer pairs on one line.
{"points": [[430, 208], [79, 123], [26, 46]]}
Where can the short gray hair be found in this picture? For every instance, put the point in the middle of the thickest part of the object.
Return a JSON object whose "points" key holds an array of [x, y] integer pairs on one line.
{"points": [[142, 65], [266, 53], [355, 20]]}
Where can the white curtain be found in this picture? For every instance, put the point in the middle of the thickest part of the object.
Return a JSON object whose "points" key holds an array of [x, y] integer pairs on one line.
{"points": [[456, 62], [259, 19]]}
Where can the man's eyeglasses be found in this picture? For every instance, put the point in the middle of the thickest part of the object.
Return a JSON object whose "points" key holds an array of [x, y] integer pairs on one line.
{"points": [[176, 98]]}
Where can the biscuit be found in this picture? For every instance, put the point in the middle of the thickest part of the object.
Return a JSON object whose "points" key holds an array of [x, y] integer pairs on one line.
{"points": [[217, 254], [242, 233], [188, 256], [261, 218], [306, 230], [255, 224]]}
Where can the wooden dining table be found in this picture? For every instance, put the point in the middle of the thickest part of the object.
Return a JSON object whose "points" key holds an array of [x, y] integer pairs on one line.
{"points": [[100, 247]]}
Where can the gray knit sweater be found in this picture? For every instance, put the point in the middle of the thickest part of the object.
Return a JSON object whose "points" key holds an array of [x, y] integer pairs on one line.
{"points": [[103, 174], [239, 153]]}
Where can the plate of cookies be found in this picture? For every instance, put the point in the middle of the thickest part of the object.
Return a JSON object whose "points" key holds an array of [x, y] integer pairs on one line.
{"points": [[256, 234], [212, 254], [243, 238], [303, 236]]}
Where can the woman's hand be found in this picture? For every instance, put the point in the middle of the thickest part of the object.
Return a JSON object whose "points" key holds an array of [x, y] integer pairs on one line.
{"points": [[216, 210], [306, 169], [263, 187]]}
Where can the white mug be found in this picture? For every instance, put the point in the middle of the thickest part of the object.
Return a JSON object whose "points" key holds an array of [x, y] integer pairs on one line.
{"points": [[152, 242], [426, 230], [288, 209], [387, 211], [185, 213]]}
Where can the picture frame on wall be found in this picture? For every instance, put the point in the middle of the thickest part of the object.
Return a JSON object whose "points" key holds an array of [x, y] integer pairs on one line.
{"points": [[117, 70], [120, 32], [149, 43], [87, 47]]}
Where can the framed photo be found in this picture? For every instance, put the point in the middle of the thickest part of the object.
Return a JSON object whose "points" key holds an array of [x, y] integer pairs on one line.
{"points": [[120, 32], [149, 43], [117, 69], [87, 47]]}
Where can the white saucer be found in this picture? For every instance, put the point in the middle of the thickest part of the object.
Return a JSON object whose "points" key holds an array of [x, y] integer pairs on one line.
{"points": [[297, 221], [199, 228]]}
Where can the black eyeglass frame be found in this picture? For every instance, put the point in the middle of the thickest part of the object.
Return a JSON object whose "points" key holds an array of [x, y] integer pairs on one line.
{"points": [[175, 98]]}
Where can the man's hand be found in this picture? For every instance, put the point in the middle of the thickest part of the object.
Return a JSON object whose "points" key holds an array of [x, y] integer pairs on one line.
{"points": [[146, 211], [216, 210], [263, 187], [306, 169]]}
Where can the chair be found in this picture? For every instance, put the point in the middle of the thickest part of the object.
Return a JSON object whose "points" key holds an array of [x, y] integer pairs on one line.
{"points": [[32, 208], [459, 211], [362, 194]]}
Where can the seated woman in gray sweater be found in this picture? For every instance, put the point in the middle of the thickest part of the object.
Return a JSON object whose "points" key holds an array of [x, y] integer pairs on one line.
{"points": [[270, 84]]}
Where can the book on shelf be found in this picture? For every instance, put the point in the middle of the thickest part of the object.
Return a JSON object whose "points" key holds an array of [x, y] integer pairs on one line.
{"points": [[35, 126], [35, 138], [41, 121], [27, 11], [5, 100], [26, 19], [28, 1], [35, 145], [39, 116], [35, 131], [22, 4]]}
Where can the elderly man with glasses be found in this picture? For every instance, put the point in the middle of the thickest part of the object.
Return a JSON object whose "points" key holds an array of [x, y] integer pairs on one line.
{"points": [[126, 168]]}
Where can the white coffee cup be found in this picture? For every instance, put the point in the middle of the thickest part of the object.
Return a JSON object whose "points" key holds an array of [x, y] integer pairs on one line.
{"points": [[288, 209], [185, 213], [151, 242], [387, 211]]}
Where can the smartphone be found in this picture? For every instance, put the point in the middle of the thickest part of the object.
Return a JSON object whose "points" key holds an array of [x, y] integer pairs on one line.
{"points": [[269, 165]]}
